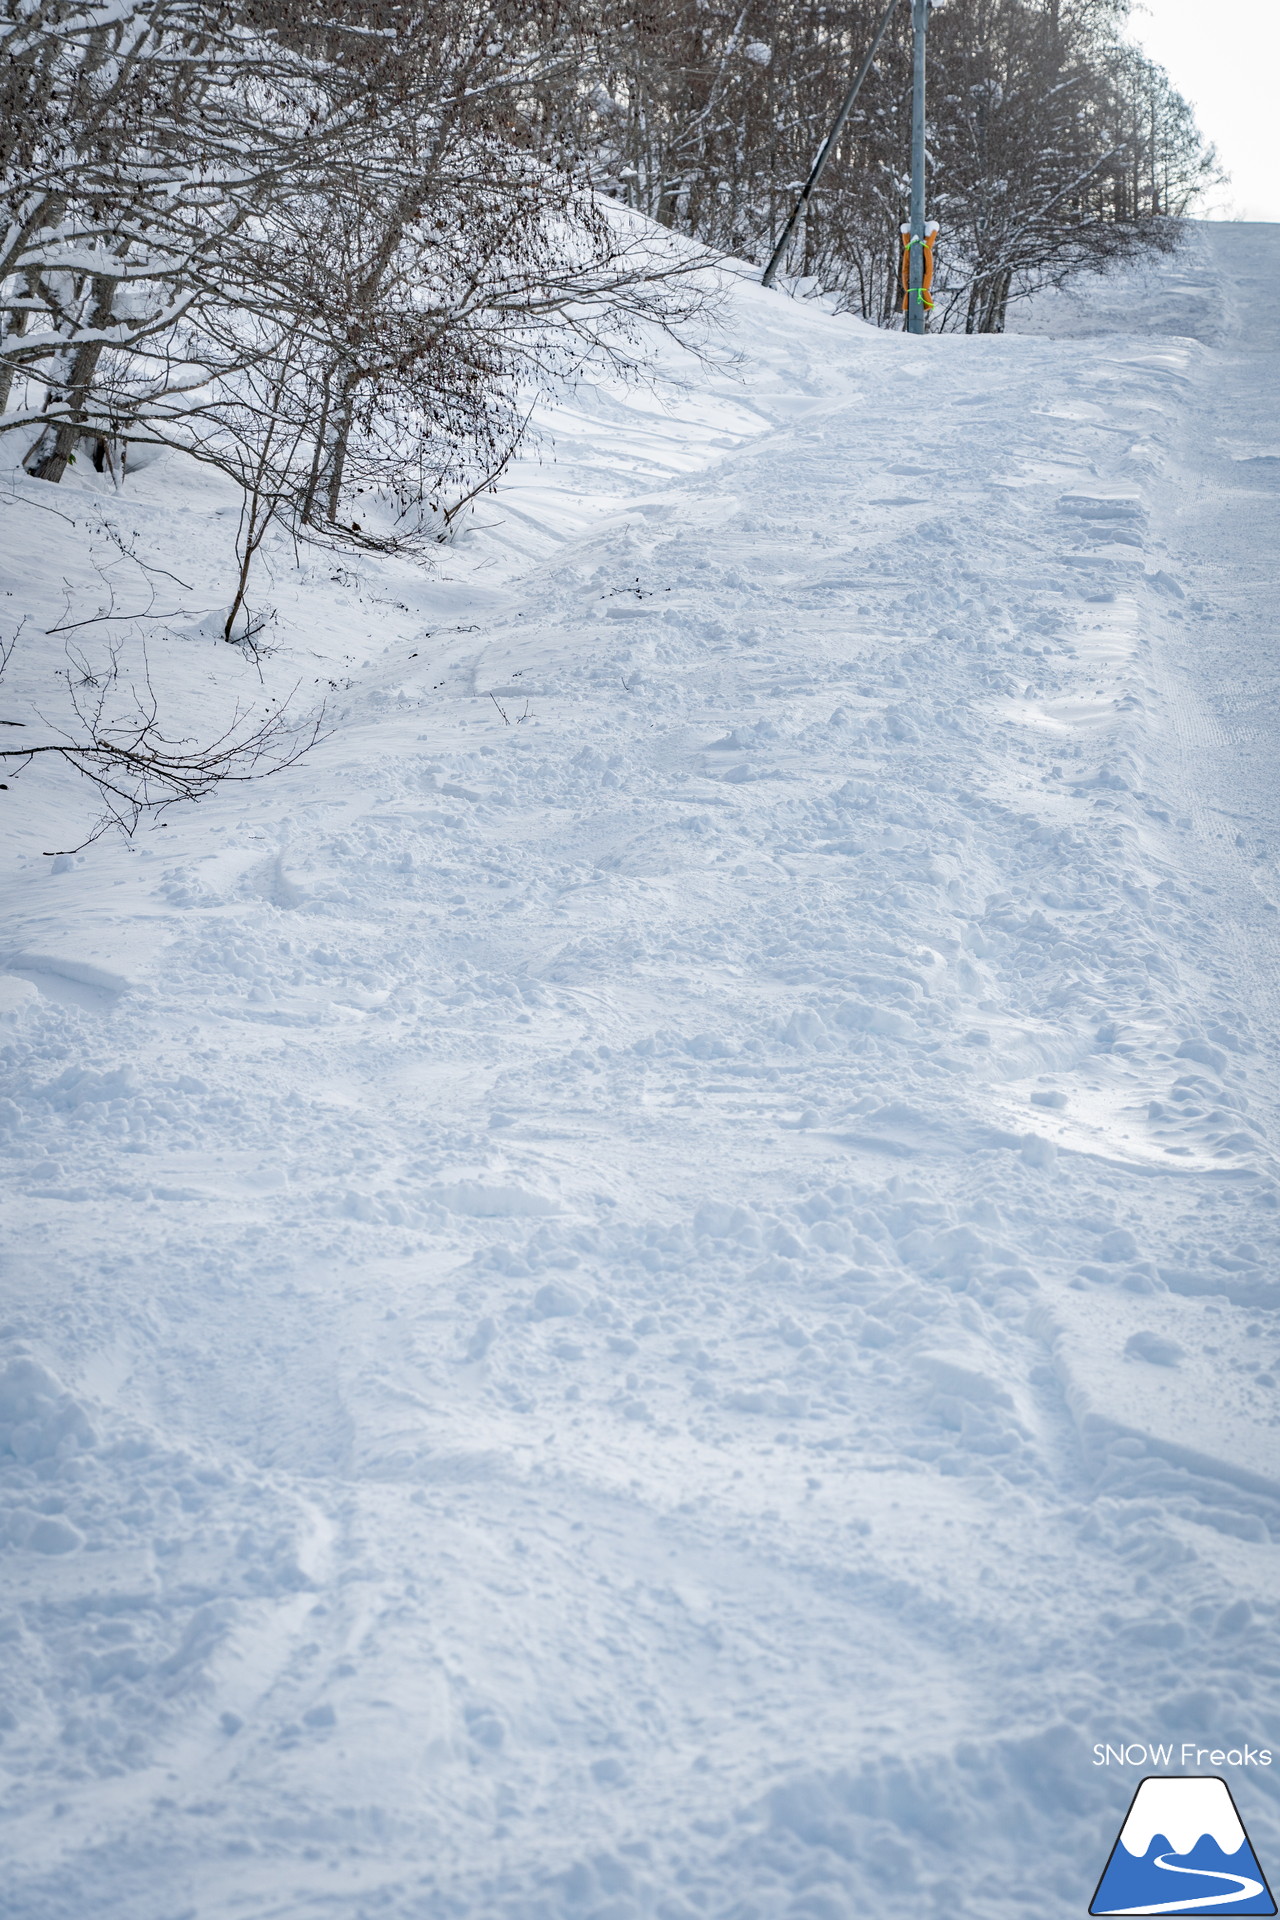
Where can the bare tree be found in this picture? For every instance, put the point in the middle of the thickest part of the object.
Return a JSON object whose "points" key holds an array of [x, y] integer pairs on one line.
{"points": [[121, 173], [1060, 150], [451, 253]]}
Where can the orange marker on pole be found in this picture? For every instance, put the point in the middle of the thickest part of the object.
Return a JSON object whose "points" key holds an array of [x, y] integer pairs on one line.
{"points": [[930, 235]]}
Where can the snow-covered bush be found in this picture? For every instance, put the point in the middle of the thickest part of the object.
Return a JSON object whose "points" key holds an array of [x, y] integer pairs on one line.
{"points": [[319, 252]]}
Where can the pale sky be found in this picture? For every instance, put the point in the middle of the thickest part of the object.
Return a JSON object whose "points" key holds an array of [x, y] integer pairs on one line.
{"points": [[1224, 57]]}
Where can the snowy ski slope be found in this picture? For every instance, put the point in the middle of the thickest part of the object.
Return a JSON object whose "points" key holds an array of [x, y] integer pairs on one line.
{"points": [[648, 1287]]}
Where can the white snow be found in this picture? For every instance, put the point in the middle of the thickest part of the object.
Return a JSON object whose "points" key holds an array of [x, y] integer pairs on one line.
{"points": [[1183, 1811], [648, 1286]]}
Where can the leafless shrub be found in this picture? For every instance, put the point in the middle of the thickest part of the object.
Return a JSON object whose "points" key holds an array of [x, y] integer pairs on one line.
{"points": [[235, 225], [326, 253], [115, 740]]}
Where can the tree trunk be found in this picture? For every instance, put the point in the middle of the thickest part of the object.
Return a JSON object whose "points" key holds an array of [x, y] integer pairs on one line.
{"points": [[54, 450], [337, 455], [318, 458], [16, 331], [973, 313]]}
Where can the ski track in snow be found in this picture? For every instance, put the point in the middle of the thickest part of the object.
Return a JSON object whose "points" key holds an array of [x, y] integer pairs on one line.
{"points": [[667, 1305]]}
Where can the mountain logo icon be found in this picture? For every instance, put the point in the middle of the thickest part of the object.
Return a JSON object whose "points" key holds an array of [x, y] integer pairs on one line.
{"points": [[1183, 1850]]}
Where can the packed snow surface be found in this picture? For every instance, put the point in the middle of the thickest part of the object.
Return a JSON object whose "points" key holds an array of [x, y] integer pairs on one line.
{"points": [[648, 1285]]}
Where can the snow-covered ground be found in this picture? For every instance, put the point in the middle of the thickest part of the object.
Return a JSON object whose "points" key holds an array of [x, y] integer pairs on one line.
{"points": [[648, 1286]]}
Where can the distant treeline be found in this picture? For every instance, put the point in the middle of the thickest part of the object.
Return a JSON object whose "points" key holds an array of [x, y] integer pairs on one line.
{"points": [[1053, 144]]}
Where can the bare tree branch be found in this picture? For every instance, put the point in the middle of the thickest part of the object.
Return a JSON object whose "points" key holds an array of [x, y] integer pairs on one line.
{"points": [[117, 744]]}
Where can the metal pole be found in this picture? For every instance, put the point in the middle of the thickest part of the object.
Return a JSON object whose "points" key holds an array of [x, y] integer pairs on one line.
{"points": [[915, 270], [827, 149]]}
